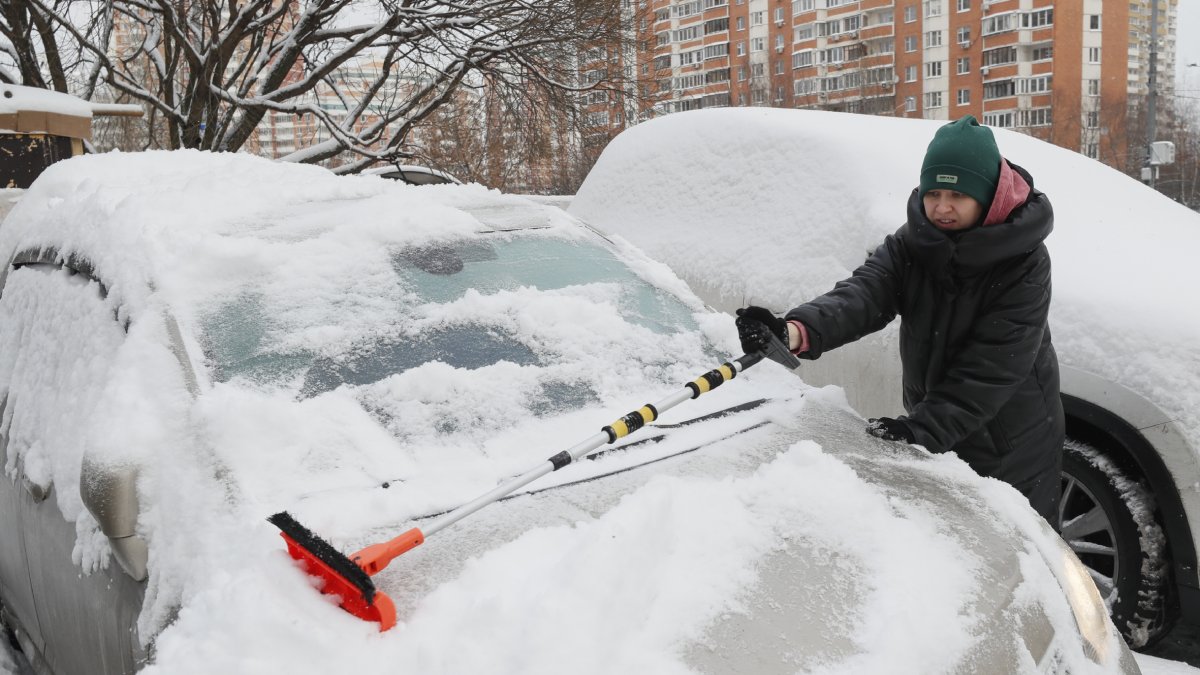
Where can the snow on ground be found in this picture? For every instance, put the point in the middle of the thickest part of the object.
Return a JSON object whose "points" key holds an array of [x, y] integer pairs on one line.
{"points": [[269, 269]]}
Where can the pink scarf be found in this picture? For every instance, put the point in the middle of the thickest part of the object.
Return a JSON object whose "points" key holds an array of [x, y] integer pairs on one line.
{"points": [[1011, 192]]}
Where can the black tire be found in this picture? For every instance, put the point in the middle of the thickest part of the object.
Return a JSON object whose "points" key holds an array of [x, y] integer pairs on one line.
{"points": [[1108, 520]]}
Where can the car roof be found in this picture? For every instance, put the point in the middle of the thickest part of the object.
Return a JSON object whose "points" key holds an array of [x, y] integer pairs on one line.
{"points": [[131, 214]]}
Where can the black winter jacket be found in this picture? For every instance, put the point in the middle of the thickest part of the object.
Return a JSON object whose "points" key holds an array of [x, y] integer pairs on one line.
{"points": [[980, 374]]}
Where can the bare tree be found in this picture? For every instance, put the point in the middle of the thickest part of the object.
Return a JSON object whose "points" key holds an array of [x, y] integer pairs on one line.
{"points": [[210, 70]]}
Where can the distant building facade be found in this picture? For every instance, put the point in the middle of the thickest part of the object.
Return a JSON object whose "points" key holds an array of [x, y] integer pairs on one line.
{"points": [[1076, 73]]}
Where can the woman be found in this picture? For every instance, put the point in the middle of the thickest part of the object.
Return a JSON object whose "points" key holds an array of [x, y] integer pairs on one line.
{"points": [[969, 275]]}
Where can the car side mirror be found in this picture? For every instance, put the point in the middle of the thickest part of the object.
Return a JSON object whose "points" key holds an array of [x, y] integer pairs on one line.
{"points": [[110, 495]]}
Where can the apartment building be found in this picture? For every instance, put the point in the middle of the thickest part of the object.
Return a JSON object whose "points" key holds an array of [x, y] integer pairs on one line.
{"points": [[1073, 72]]}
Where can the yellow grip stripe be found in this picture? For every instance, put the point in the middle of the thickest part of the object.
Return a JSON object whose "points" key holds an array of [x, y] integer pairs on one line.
{"points": [[701, 384], [647, 414], [726, 372], [620, 428]]}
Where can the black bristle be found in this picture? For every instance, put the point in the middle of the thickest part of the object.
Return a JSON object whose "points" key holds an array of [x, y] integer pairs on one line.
{"points": [[326, 553]]}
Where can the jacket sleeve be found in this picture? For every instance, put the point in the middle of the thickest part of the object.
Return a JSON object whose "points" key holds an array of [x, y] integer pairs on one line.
{"points": [[857, 306], [994, 362]]}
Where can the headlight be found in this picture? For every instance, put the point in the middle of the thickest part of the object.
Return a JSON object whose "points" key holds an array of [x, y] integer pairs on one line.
{"points": [[1090, 613]]}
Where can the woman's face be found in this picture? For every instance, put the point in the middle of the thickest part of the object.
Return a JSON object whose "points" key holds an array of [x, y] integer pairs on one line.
{"points": [[950, 210]]}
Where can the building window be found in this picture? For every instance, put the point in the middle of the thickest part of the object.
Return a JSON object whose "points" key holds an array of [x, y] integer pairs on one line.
{"points": [[910, 43], [1000, 56], [758, 69], [910, 73], [802, 6], [963, 65], [1038, 117], [741, 51], [910, 14], [758, 18], [802, 59], [933, 99], [999, 89], [1002, 120], [1038, 18], [779, 42], [910, 104], [933, 38], [933, 8], [741, 73], [716, 26], [1035, 85], [778, 66], [964, 96], [1042, 53], [779, 15], [1091, 119], [847, 24], [741, 23], [1093, 21], [1093, 55], [999, 23], [963, 36], [964, 5], [1092, 150], [933, 69]]}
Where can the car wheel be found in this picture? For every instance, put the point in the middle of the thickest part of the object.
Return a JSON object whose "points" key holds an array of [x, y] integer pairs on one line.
{"points": [[1108, 520]]}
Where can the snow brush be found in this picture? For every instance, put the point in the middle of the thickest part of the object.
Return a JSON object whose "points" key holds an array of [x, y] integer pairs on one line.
{"points": [[349, 577]]}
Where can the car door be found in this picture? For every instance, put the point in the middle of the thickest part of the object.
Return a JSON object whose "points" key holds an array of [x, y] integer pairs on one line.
{"points": [[58, 337]]}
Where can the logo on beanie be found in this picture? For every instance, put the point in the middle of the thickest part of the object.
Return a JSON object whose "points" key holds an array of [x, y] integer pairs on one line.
{"points": [[947, 178]]}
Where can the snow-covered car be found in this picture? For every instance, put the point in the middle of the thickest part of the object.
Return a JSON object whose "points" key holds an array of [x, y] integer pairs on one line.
{"points": [[413, 174], [193, 342], [773, 207]]}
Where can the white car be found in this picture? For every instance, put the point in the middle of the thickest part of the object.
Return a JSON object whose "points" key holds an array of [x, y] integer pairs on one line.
{"points": [[193, 342], [770, 207]]}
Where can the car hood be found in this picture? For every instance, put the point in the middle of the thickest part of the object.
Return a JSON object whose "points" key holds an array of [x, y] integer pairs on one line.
{"points": [[759, 536]]}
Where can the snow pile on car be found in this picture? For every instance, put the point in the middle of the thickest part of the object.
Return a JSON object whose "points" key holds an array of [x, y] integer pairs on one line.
{"points": [[765, 195], [613, 576]]}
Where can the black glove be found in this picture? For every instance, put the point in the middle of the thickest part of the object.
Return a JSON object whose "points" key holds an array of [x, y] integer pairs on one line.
{"points": [[890, 430], [755, 326]]}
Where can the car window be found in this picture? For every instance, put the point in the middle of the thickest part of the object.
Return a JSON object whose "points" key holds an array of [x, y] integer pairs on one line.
{"points": [[417, 177], [252, 336]]}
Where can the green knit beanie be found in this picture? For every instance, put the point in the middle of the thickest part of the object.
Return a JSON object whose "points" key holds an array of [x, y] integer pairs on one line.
{"points": [[962, 157]]}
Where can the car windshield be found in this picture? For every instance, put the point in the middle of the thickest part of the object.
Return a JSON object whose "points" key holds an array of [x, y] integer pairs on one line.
{"points": [[469, 303]]}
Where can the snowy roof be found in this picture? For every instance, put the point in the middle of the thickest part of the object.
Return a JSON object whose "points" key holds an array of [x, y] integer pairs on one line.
{"points": [[32, 110]]}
